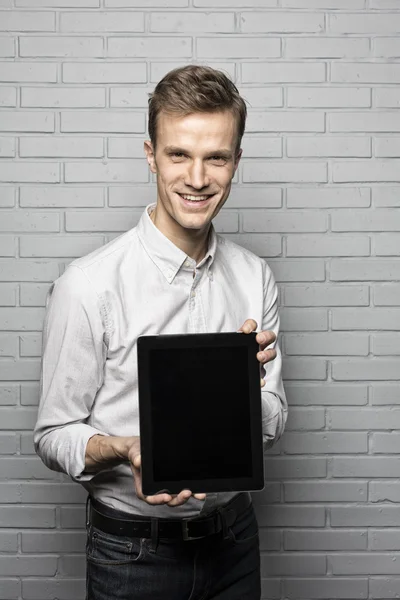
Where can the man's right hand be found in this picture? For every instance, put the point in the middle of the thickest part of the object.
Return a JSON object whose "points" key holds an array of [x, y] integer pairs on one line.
{"points": [[103, 449]]}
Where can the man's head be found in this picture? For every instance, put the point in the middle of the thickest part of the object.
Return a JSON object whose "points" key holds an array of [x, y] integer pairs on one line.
{"points": [[196, 123]]}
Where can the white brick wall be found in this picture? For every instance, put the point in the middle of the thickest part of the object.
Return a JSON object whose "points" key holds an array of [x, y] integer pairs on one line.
{"points": [[318, 195]]}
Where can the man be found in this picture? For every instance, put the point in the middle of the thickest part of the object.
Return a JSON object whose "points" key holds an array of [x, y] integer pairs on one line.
{"points": [[170, 274]]}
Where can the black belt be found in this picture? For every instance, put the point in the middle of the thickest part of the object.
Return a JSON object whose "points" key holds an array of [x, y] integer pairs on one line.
{"points": [[179, 529]]}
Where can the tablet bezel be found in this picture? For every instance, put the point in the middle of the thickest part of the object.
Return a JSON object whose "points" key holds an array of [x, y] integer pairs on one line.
{"points": [[145, 345]]}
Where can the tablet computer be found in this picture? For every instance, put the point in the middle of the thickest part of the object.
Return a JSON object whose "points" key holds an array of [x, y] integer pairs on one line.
{"points": [[200, 413]]}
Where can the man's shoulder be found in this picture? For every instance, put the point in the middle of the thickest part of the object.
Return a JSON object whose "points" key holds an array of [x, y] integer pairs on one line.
{"points": [[108, 255]]}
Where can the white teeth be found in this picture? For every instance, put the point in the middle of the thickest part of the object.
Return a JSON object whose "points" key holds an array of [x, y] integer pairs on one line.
{"points": [[194, 198]]}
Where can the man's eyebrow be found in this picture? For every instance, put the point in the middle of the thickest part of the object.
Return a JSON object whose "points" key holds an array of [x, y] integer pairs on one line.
{"points": [[223, 152], [172, 149]]}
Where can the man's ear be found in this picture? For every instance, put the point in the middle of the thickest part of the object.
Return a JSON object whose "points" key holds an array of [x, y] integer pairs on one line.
{"points": [[150, 155]]}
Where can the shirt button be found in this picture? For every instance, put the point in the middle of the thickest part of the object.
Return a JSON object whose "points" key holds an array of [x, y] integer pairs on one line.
{"points": [[193, 294], [187, 263]]}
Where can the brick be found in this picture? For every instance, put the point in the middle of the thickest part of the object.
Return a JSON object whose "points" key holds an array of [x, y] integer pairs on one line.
{"points": [[27, 121], [31, 345], [29, 172], [125, 147], [8, 345], [212, 22], [111, 171], [58, 146], [377, 220], [61, 46], [281, 22], [28, 565], [7, 47], [387, 97], [321, 394], [236, 3], [285, 121], [10, 589], [265, 97], [8, 542], [7, 147], [306, 419], [327, 245], [26, 270], [267, 221], [33, 294], [54, 97], [327, 295], [321, 146], [359, 270], [159, 69], [72, 566], [30, 394], [149, 47], [60, 3], [386, 394], [385, 443], [372, 22], [287, 564], [386, 47], [326, 344], [270, 494], [68, 197], [22, 72], [386, 344], [270, 539], [283, 72], [384, 4], [284, 172], [8, 443], [26, 319], [59, 246], [270, 588], [327, 539], [265, 246], [238, 47], [24, 418], [384, 491], [38, 493], [329, 47], [388, 147], [100, 121], [365, 72], [26, 444], [138, 196], [326, 588], [375, 369], [28, 222], [8, 96], [10, 494], [294, 468], [72, 517], [129, 97], [101, 221], [325, 443], [112, 72], [369, 419], [7, 197], [27, 21], [296, 270], [59, 542], [363, 121], [146, 3], [272, 515], [303, 368], [7, 246], [387, 245], [105, 21], [303, 319], [384, 588], [328, 197], [383, 539], [26, 517], [48, 589], [368, 466], [365, 564], [255, 197], [326, 491], [366, 319], [328, 97], [9, 395], [226, 222], [334, 4], [387, 295]]}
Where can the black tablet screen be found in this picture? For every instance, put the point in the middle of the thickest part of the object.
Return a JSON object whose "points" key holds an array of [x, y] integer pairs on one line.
{"points": [[200, 424]]}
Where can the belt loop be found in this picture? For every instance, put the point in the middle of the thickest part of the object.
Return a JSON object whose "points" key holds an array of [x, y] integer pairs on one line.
{"points": [[224, 525], [154, 535], [88, 506]]}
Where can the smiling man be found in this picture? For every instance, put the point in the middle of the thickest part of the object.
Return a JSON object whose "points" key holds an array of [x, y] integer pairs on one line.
{"points": [[170, 274]]}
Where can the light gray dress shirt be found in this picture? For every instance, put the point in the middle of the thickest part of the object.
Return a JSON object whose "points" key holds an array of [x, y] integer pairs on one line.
{"points": [[140, 284]]}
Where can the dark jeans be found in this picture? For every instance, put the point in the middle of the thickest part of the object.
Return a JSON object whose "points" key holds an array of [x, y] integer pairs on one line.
{"points": [[212, 568]]}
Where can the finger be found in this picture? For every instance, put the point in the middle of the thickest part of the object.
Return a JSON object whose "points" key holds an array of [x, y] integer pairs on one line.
{"points": [[265, 338], [180, 498], [266, 356], [248, 326], [262, 382], [199, 496], [158, 499]]}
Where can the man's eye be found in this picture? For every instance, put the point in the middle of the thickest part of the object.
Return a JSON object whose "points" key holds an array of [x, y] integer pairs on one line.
{"points": [[177, 154], [218, 159]]}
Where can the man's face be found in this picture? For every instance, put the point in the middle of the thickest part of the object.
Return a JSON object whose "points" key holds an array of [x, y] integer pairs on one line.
{"points": [[195, 161]]}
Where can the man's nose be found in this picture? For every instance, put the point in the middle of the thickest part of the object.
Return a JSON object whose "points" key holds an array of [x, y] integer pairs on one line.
{"points": [[197, 176]]}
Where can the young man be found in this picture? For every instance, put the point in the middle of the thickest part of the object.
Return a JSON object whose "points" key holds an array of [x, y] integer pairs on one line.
{"points": [[170, 274]]}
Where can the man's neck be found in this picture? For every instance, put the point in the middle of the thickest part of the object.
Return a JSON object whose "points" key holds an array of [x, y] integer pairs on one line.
{"points": [[195, 244]]}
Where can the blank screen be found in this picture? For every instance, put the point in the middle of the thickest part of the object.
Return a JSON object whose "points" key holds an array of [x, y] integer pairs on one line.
{"points": [[200, 413]]}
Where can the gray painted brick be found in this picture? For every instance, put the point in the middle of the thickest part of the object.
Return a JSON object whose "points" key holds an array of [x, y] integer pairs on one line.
{"points": [[10, 589], [314, 394], [386, 97], [384, 588], [298, 270], [28, 565], [72, 565], [385, 443], [238, 47], [102, 21], [107, 172], [72, 517], [33, 294], [262, 147], [268, 221], [387, 147], [366, 318], [7, 47], [368, 418], [237, 3], [29, 172], [149, 47], [23, 418], [327, 47], [26, 270], [327, 245], [325, 443], [365, 72], [27, 121], [9, 395], [59, 246], [26, 517], [386, 344], [304, 368], [326, 295], [365, 564], [255, 197], [303, 319], [7, 147], [262, 97], [282, 72], [125, 147], [364, 23], [104, 72], [384, 539], [281, 22], [48, 589], [30, 394], [376, 369], [293, 564], [8, 96], [271, 493], [25, 319], [259, 244], [7, 246], [326, 344], [294, 468], [270, 539], [325, 540], [61, 46], [387, 294], [284, 172], [27, 21], [364, 122], [69, 196], [26, 444], [58, 146], [60, 3], [279, 121], [371, 466], [270, 589], [159, 69], [334, 4], [382, 394], [328, 97], [372, 270], [272, 515], [8, 542], [7, 197], [62, 97], [48, 542], [212, 22], [8, 442], [328, 147], [306, 419], [326, 588], [28, 72], [387, 245], [372, 171], [98, 121], [384, 491], [328, 197]]}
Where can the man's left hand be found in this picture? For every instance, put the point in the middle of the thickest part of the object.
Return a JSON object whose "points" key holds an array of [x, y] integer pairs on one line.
{"points": [[264, 339]]}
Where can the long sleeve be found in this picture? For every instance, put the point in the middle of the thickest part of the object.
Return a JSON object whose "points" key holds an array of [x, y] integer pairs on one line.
{"points": [[73, 359], [274, 404]]}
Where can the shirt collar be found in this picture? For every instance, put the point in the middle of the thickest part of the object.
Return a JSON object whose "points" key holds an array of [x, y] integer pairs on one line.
{"points": [[165, 255]]}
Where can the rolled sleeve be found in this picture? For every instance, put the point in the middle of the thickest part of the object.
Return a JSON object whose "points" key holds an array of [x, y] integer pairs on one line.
{"points": [[274, 403], [74, 353]]}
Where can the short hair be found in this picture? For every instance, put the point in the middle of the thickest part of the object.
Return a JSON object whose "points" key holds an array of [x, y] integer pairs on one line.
{"points": [[194, 88]]}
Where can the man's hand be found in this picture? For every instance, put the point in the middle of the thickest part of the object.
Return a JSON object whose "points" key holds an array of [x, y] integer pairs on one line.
{"points": [[103, 449], [264, 339]]}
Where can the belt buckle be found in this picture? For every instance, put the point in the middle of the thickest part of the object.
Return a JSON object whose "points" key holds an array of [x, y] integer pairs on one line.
{"points": [[185, 531]]}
